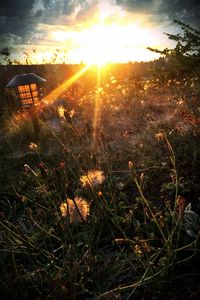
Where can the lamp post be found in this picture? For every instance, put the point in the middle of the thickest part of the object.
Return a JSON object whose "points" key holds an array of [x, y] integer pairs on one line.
{"points": [[26, 87]]}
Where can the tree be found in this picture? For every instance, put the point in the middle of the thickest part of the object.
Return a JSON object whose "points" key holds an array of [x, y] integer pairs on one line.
{"points": [[186, 54]]}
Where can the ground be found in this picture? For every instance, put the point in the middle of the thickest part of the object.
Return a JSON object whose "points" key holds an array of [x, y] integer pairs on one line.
{"points": [[103, 202]]}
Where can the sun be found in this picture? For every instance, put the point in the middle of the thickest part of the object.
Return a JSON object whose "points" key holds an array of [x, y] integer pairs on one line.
{"points": [[95, 45], [114, 43], [107, 43], [60, 36], [100, 44]]}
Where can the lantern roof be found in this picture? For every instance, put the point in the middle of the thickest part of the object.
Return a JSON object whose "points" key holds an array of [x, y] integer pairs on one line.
{"points": [[24, 79]]}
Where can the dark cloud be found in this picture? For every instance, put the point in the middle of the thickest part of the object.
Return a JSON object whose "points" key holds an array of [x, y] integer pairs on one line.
{"points": [[19, 18], [61, 7], [15, 19], [135, 4], [16, 8], [38, 13], [69, 7], [187, 11]]}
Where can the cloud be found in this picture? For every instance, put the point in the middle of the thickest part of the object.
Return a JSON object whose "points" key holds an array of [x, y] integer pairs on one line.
{"points": [[20, 17], [154, 7], [20, 20], [16, 21], [187, 11], [19, 8]]}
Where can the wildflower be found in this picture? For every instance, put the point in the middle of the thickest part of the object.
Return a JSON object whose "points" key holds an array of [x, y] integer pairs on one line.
{"points": [[130, 165], [120, 186], [71, 113], [17, 117], [43, 169], [33, 146], [142, 178], [162, 221], [173, 178], [141, 247], [150, 118], [123, 91], [77, 210], [62, 164], [93, 178], [127, 133], [181, 206], [66, 149], [42, 189], [22, 198], [99, 90], [63, 209], [180, 102], [113, 80], [160, 136], [138, 249], [140, 145], [43, 166], [61, 111]]}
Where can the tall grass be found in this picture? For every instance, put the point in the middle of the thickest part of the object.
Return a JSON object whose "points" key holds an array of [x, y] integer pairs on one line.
{"points": [[103, 220]]}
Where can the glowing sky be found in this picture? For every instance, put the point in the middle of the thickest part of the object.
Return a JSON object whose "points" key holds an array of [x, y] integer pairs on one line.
{"points": [[88, 31]]}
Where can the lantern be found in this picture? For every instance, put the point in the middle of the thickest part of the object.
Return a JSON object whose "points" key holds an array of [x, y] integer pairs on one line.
{"points": [[26, 86], [27, 89]]}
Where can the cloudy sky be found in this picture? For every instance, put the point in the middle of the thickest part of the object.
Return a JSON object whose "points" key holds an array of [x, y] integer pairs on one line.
{"points": [[75, 30]]}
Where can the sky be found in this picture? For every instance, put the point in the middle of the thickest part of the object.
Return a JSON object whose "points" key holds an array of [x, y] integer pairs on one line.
{"points": [[89, 31]]}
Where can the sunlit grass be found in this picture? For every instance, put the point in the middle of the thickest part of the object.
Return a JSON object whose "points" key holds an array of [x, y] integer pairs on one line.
{"points": [[64, 86], [100, 205]]}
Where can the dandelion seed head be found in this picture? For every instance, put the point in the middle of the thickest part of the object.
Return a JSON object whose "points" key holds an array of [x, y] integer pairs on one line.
{"points": [[77, 209], [61, 111], [99, 90], [62, 164], [120, 186], [123, 91], [113, 80], [93, 178], [130, 164], [63, 209], [22, 198], [33, 146], [159, 136], [42, 189], [71, 113], [142, 177], [142, 247], [138, 249]]}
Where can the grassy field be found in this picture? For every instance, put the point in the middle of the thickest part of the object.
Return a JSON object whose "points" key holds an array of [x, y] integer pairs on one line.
{"points": [[103, 202]]}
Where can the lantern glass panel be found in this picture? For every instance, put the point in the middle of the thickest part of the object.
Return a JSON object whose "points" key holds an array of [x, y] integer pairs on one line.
{"points": [[28, 95]]}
